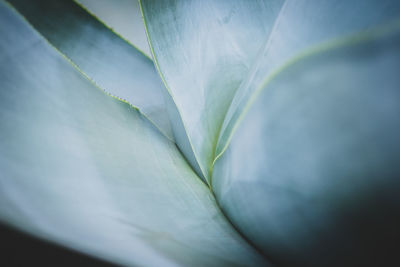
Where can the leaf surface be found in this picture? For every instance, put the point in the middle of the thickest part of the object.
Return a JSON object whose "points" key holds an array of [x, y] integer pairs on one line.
{"points": [[124, 17], [301, 26], [203, 50], [311, 175], [111, 62], [88, 171]]}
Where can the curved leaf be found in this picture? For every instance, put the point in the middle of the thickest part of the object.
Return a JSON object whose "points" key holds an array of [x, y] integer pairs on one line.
{"points": [[203, 50], [111, 62], [321, 188], [88, 171], [301, 26]]}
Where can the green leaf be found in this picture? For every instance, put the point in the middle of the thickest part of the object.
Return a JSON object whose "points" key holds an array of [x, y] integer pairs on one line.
{"points": [[111, 62], [203, 50], [311, 175], [88, 171], [124, 17], [301, 25]]}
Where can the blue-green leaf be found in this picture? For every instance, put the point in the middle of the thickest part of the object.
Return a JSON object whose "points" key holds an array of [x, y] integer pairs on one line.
{"points": [[301, 25], [312, 174], [111, 62], [89, 172]]}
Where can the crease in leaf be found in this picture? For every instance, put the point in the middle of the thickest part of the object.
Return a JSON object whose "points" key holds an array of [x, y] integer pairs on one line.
{"points": [[190, 153], [218, 52], [244, 84]]}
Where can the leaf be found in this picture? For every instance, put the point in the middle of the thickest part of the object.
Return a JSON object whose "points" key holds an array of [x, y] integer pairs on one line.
{"points": [[111, 62], [321, 188], [88, 171], [300, 26], [124, 17], [203, 50]]}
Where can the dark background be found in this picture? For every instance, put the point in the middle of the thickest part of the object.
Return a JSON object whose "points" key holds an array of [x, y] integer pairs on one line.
{"points": [[19, 249]]}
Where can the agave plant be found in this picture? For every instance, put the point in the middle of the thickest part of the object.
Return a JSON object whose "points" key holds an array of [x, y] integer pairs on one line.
{"points": [[222, 133]]}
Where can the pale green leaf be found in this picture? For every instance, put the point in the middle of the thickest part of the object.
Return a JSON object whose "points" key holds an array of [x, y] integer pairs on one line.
{"points": [[312, 173], [203, 50], [89, 172], [111, 62]]}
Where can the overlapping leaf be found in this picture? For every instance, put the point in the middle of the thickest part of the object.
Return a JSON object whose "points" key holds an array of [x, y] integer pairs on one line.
{"points": [[314, 159], [90, 172], [111, 62], [203, 51]]}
